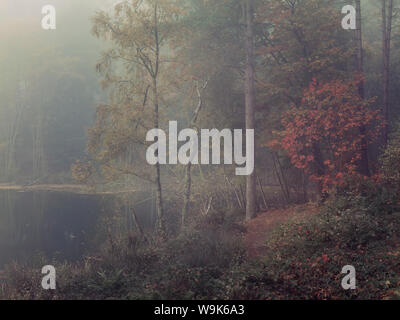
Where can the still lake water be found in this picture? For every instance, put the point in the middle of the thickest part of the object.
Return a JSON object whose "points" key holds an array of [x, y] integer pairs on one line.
{"points": [[59, 225]]}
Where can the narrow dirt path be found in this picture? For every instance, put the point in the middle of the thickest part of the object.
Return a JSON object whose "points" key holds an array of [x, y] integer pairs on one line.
{"points": [[259, 228]]}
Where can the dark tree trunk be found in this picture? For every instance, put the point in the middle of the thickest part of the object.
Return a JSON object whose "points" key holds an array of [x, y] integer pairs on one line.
{"points": [[250, 104], [363, 165], [386, 37]]}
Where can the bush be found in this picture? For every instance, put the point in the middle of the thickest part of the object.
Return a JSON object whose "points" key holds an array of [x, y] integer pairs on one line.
{"points": [[192, 265], [390, 163], [306, 257]]}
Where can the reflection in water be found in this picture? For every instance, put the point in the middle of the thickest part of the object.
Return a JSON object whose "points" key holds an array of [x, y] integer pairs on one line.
{"points": [[57, 224]]}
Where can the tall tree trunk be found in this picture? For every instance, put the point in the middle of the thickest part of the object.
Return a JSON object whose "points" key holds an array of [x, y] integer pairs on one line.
{"points": [[360, 52], [363, 163], [386, 37], [159, 199], [250, 104]]}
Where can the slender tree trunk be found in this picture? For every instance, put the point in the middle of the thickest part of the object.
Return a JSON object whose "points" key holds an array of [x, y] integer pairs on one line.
{"points": [[159, 199], [236, 193], [386, 36], [250, 104], [364, 162], [385, 68], [281, 177], [136, 222], [263, 194], [360, 52]]}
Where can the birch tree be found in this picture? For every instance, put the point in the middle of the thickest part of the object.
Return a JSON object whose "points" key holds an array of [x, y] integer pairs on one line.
{"points": [[133, 69]]}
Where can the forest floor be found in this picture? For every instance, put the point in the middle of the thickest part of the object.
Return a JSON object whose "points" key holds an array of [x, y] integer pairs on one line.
{"points": [[259, 228]]}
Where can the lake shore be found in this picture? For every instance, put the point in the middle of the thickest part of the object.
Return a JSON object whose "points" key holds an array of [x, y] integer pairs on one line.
{"points": [[69, 188]]}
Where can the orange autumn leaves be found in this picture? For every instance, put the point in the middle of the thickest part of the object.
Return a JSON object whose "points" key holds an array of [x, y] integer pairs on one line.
{"points": [[322, 134]]}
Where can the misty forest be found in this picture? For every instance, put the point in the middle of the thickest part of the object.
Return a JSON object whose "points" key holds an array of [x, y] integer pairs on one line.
{"points": [[84, 188]]}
